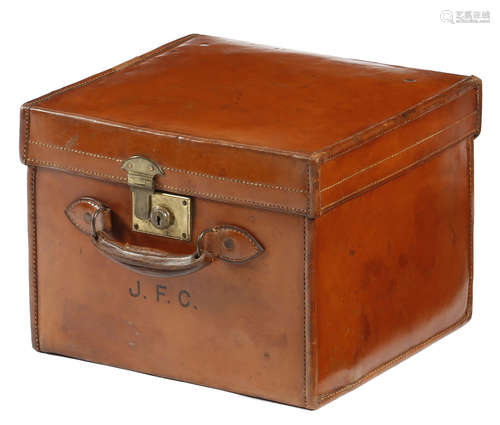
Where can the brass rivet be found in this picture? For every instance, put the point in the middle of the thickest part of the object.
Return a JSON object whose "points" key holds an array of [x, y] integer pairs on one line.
{"points": [[184, 202], [136, 226], [228, 244], [184, 236], [129, 165]]}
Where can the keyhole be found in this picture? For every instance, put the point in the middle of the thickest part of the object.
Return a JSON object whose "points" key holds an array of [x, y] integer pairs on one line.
{"points": [[161, 217]]}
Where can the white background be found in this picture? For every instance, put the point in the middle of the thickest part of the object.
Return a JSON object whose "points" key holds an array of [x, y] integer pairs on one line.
{"points": [[46, 45]]}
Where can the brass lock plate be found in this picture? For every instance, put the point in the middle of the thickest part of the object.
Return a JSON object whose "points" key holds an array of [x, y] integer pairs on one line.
{"points": [[156, 213], [177, 226]]}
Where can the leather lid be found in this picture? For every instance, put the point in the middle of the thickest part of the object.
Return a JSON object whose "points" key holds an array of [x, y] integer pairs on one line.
{"points": [[246, 124]]}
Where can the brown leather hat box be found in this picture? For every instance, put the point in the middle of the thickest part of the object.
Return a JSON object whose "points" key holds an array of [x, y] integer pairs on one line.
{"points": [[263, 221]]}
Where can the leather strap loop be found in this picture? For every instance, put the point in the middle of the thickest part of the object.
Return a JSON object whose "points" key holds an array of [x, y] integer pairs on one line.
{"points": [[225, 242]]}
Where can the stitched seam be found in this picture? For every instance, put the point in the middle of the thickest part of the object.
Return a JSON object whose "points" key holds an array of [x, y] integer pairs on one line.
{"points": [[227, 198], [308, 185], [394, 155], [477, 108], [225, 257], [168, 187], [77, 170], [325, 396], [252, 242], [421, 160], [228, 143], [34, 260], [177, 170], [478, 101], [65, 149], [470, 186], [90, 80], [305, 292], [26, 131], [246, 237], [417, 347], [383, 123], [238, 259], [41, 99], [305, 313], [71, 216]]}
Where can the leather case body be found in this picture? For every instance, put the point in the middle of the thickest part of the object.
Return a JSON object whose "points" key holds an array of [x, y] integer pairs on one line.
{"points": [[354, 181]]}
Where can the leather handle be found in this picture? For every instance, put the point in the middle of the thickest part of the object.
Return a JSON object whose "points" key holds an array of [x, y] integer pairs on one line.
{"points": [[225, 242], [150, 262]]}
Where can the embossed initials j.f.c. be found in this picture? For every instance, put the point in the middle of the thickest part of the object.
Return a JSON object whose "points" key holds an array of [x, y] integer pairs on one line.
{"points": [[161, 295], [138, 292]]}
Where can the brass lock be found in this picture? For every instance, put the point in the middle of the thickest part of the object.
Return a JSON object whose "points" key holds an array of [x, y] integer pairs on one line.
{"points": [[156, 213]]}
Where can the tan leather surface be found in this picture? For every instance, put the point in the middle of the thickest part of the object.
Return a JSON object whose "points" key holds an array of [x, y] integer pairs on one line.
{"points": [[355, 177], [397, 273], [244, 124], [208, 171], [243, 329], [258, 96], [350, 172]]}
